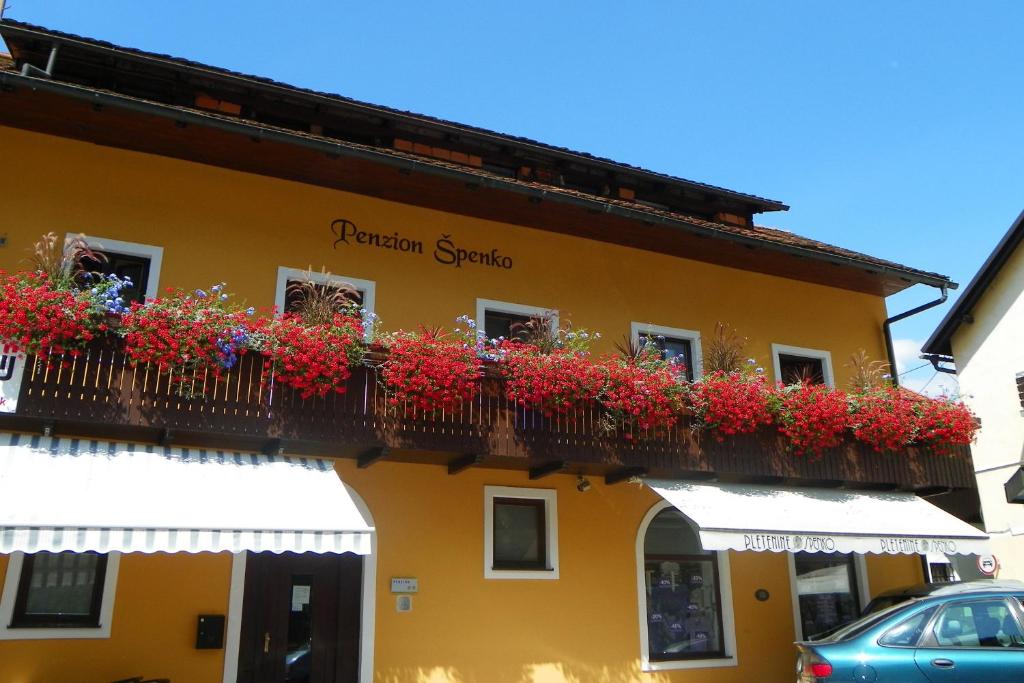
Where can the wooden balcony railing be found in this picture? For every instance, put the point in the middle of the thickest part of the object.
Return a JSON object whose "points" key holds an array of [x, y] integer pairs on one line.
{"points": [[100, 395]]}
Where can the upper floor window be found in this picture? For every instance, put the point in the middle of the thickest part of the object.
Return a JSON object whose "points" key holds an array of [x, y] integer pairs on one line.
{"points": [[682, 592], [1020, 388], [794, 364], [139, 262], [672, 342], [362, 293], [500, 319]]}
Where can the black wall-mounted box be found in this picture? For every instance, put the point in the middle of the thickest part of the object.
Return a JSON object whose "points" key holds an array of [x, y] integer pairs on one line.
{"points": [[210, 632]]}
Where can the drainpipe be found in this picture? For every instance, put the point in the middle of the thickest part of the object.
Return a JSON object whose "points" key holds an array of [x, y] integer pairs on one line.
{"points": [[887, 325], [29, 70]]}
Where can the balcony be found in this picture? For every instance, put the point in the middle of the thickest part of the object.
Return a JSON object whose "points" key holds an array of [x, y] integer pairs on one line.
{"points": [[99, 395]]}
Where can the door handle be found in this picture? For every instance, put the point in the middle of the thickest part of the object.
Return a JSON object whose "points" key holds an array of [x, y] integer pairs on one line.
{"points": [[266, 644], [943, 663]]}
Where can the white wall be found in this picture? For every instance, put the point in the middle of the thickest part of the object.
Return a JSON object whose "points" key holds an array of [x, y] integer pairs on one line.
{"points": [[989, 353]]}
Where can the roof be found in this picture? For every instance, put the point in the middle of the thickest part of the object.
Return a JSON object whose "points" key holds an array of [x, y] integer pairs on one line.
{"points": [[764, 236], [940, 343], [7, 24]]}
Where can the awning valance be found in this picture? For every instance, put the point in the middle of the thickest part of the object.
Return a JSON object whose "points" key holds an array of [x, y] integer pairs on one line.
{"points": [[759, 518], [60, 494]]}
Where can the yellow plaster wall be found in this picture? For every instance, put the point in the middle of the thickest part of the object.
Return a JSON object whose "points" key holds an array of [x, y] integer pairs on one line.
{"points": [[886, 572], [216, 224], [153, 630]]}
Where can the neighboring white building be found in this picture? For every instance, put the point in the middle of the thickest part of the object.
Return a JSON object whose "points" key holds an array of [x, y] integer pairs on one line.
{"points": [[983, 335]]}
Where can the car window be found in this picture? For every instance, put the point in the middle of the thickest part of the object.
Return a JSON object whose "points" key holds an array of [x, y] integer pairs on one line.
{"points": [[908, 632], [858, 627], [978, 623]]}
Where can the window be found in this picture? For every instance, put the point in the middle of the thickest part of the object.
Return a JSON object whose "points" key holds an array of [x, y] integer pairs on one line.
{"points": [[284, 301], [673, 342], [1020, 389], [58, 595], [520, 533], [826, 592], [908, 631], [794, 364], [979, 623], [140, 262], [503, 319], [682, 601]]}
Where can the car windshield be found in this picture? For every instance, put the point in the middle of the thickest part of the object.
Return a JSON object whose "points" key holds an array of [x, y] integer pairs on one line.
{"points": [[854, 629]]}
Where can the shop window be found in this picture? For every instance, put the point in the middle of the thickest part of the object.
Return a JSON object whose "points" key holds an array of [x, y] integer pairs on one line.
{"points": [[827, 591], [58, 595], [684, 596], [361, 292], [140, 262], [794, 365], [673, 343], [500, 319], [521, 539]]}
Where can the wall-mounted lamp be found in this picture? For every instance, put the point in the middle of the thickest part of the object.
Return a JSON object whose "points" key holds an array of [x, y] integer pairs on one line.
{"points": [[582, 485]]}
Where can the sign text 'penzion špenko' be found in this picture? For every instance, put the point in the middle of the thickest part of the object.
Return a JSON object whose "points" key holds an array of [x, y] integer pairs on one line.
{"points": [[446, 251]]}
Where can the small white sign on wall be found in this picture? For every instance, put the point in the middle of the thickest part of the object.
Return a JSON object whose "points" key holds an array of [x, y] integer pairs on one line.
{"points": [[405, 585], [12, 367]]}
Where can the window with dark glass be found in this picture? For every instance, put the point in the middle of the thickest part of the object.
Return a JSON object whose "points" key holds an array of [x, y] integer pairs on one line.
{"points": [[60, 590], [826, 587], [293, 295], [1020, 388], [798, 369], [123, 266], [520, 533], [684, 607], [673, 347], [508, 325]]}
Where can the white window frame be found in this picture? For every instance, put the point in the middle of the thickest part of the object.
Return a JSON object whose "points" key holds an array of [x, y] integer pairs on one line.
{"points": [[817, 354], [154, 253], [10, 592], [550, 498], [692, 336], [367, 287], [860, 570], [484, 305], [725, 597]]}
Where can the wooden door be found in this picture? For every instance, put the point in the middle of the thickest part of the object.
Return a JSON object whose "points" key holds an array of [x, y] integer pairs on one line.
{"points": [[300, 618]]}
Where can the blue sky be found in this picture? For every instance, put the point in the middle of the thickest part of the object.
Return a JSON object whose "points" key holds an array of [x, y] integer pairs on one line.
{"points": [[893, 128]]}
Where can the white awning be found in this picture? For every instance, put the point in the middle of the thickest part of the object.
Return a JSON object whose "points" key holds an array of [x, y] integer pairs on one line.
{"points": [[60, 494], [759, 518]]}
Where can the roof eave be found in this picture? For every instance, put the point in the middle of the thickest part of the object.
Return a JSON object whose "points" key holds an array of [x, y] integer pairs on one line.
{"points": [[940, 343]]}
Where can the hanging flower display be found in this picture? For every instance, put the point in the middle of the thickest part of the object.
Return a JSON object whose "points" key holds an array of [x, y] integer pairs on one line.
{"points": [[943, 423], [812, 417], [884, 418], [431, 370], [186, 333], [730, 403], [643, 391], [315, 359]]}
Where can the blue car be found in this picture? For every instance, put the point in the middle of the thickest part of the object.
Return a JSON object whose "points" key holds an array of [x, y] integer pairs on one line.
{"points": [[970, 632]]}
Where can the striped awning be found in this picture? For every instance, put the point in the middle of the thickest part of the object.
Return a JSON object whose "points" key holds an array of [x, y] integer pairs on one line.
{"points": [[61, 494]]}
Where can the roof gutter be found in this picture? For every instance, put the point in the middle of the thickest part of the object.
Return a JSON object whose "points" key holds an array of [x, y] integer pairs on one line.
{"points": [[9, 80], [887, 330]]}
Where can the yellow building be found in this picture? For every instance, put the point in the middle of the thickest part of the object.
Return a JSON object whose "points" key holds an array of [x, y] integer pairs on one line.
{"points": [[479, 547]]}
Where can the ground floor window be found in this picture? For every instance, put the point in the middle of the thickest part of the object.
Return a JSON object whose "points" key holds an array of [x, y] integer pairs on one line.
{"points": [[58, 595], [827, 591], [684, 607]]}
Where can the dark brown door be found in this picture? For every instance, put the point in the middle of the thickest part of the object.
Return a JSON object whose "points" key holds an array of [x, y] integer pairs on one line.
{"points": [[300, 618]]}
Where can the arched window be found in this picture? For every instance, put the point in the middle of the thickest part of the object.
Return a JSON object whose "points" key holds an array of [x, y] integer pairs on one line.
{"points": [[683, 592]]}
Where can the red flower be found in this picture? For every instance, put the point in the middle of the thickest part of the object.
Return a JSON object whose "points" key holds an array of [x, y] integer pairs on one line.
{"points": [[555, 382], [942, 423], [645, 393], [431, 371], [40, 319], [883, 418], [314, 359], [812, 416], [730, 403]]}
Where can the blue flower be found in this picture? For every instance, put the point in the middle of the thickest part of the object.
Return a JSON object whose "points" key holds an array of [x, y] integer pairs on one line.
{"points": [[201, 294], [250, 311]]}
